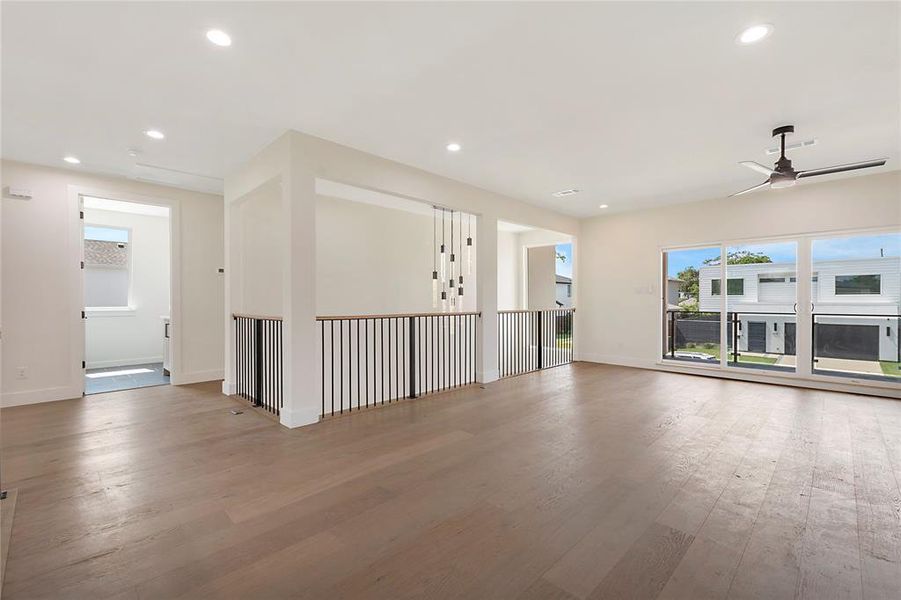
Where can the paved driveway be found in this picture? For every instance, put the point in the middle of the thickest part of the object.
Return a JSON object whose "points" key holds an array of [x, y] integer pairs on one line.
{"points": [[871, 367]]}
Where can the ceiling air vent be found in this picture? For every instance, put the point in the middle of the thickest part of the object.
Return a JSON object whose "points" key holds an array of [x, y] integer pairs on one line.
{"points": [[176, 178], [563, 193]]}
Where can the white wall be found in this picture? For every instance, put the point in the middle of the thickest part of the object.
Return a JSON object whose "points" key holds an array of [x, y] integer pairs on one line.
{"points": [[136, 336], [376, 260], [619, 265], [258, 225], [542, 277], [509, 271], [41, 304]]}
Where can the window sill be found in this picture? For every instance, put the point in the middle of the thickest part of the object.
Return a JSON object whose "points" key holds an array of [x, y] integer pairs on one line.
{"points": [[94, 312]]}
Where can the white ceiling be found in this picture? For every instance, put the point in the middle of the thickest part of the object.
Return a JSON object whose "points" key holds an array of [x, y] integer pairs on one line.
{"points": [[635, 104]]}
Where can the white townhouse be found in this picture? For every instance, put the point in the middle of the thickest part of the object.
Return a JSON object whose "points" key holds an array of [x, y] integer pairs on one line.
{"points": [[855, 303], [564, 291]]}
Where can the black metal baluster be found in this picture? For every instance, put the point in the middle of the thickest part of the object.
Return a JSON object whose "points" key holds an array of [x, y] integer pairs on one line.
{"points": [[281, 367], [459, 349], [394, 395], [366, 359]]}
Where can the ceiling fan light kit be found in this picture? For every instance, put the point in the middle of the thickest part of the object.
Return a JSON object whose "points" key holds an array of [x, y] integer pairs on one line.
{"points": [[783, 175]]}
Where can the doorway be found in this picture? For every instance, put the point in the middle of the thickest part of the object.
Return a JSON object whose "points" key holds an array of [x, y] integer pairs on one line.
{"points": [[790, 337], [126, 254], [756, 336]]}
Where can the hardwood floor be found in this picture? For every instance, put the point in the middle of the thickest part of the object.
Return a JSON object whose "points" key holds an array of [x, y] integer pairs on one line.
{"points": [[585, 481]]}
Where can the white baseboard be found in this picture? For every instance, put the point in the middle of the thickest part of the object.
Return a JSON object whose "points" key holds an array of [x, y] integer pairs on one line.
{"points": [[752, 376], [43, 395], [129, 362], [622, 361], [229, 388], [197, 376], [299, 418], [487, 376]]}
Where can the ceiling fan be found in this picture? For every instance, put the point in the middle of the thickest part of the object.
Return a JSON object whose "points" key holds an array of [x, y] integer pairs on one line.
{"points": [[782, 175]]}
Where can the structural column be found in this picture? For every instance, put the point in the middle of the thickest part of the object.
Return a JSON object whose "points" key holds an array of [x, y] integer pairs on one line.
{"points": [[486, 296], [302, 404]]}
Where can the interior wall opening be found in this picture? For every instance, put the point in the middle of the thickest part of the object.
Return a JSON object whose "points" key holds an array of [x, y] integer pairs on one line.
{"points": [[127, 294]]}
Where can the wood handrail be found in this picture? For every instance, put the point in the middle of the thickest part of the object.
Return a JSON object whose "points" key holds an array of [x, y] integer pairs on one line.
{"points": [[251, 316], [394, 316], [397, 315], [507, 312]]}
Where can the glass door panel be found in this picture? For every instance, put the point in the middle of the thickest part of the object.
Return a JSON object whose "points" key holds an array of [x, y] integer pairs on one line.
{"points": [[691, 316], [855, 296], [761, 304]]}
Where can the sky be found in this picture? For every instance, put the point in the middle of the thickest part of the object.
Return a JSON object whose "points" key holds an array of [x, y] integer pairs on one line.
{"points": [[838, 248], [105, 234], [565, 267]]}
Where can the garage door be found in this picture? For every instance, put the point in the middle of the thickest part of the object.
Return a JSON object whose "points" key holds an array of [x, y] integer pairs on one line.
{"points": [[860, 342], [756, 336]]}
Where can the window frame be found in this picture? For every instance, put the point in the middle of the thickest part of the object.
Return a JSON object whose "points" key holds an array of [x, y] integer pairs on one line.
{"points": [[805, 376], [718, 282], [121, 310], [878, 277]]}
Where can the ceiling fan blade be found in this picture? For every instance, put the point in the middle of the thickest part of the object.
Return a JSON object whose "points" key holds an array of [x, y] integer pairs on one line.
{"points": [[839, 168], [749, 190], [757, 167]]}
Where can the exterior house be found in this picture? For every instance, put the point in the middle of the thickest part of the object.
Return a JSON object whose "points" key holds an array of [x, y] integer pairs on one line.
{"points": [[564, 291], [855, 306], [673, 293]]}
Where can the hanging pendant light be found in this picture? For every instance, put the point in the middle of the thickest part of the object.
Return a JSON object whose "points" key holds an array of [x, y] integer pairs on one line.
{"points": [[453, 264], [442, 254], [434, 259], [469, 245]]}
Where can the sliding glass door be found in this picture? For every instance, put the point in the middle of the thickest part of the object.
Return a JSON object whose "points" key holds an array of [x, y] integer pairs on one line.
{"points": [[761, 305], [691, 317], [811, 306], [854, 296]]}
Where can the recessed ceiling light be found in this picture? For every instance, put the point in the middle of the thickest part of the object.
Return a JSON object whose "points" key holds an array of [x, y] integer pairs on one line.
{"points": [[71, 160], [563, 193], [603, 206], [155, 134], [754, 34], [219, 37], [454, 147]]}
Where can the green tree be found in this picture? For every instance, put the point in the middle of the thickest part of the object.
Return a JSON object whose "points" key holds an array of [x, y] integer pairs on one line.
{"points": [[741, 257], [561, 257], [690, 285]]}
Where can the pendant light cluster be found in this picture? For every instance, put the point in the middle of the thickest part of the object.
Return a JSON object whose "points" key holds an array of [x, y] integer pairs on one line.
{"points": [[447, 273]]}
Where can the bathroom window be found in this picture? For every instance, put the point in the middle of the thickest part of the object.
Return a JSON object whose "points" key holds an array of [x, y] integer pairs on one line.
{"points": [[107, 266]]}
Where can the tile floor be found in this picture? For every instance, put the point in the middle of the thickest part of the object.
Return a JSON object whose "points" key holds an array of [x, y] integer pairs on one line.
{"points": [[151, 374]]}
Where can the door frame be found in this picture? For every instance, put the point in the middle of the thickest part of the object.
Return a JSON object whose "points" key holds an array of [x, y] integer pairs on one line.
{"points": [[76, 243]]}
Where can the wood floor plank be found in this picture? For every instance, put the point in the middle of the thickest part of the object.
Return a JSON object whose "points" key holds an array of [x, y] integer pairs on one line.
{"points": [[644, 570], [575, 482]]}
